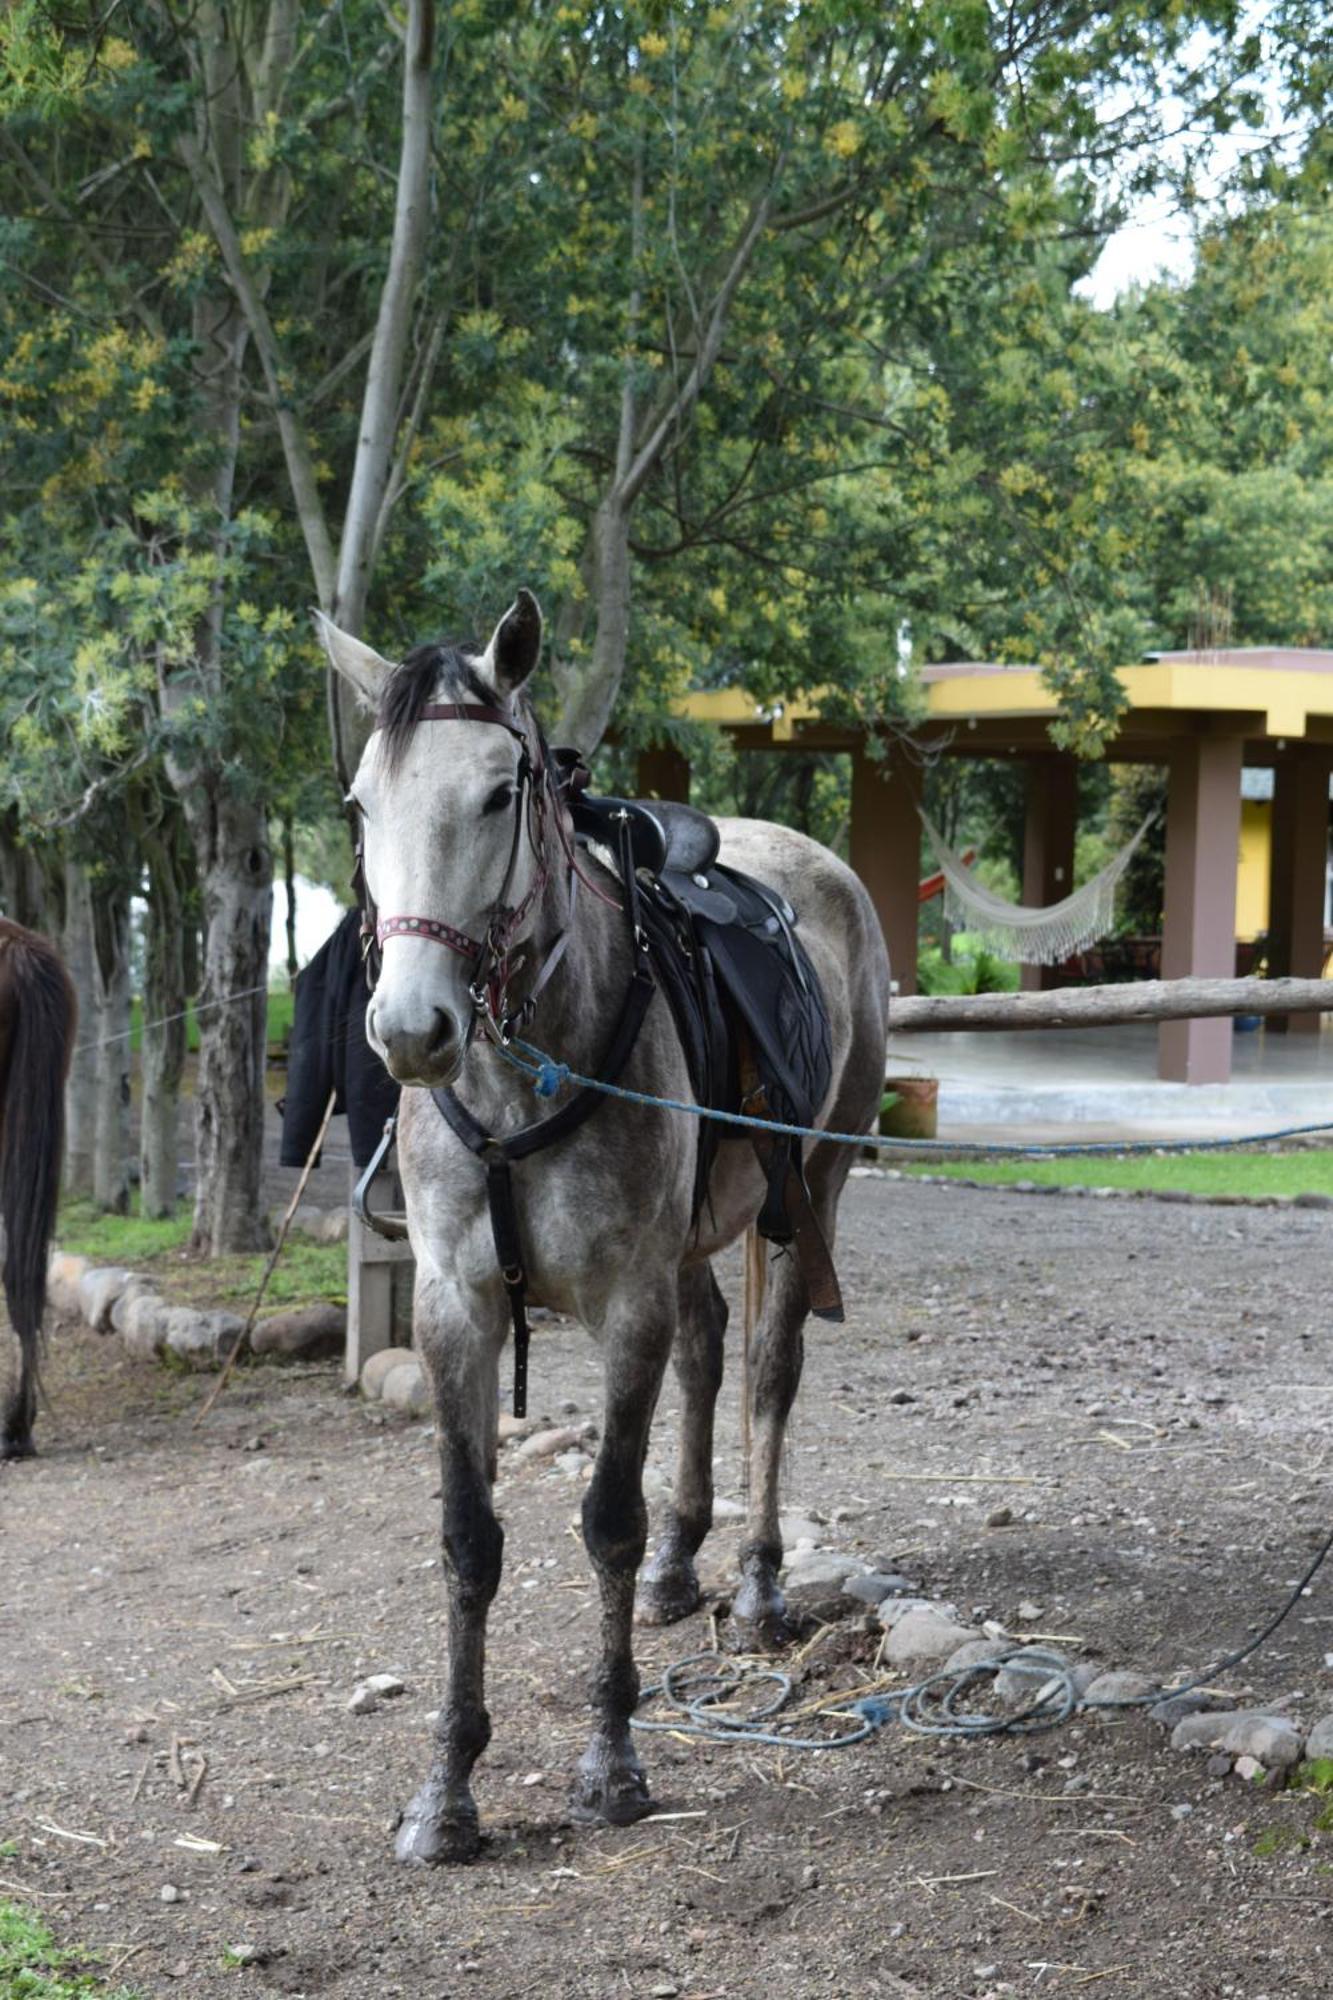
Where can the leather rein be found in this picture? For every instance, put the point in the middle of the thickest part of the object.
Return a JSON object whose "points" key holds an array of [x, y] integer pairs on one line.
{"points": [[545, 779]]}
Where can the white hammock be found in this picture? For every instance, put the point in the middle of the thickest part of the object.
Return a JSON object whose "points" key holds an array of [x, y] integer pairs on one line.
{"points": [[1030, 936]]}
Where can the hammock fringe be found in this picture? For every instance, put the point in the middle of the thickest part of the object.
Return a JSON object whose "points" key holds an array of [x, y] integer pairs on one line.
{"points": [[1020, 932]]}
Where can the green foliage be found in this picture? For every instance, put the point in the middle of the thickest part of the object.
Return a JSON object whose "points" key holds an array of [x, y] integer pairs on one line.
{"points": [[967, 971], [33, 1967], [1244, 1173]]}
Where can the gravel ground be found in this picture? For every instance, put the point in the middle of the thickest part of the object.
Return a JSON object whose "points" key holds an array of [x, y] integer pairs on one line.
{"points": [[1145, 1388]]}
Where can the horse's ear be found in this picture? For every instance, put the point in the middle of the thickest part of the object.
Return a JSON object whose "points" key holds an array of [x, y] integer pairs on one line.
{"points": [[356, 662], [515, 644]]}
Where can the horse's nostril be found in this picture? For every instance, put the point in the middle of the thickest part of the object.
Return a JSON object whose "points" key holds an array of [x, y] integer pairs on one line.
{"points": [[445, 1034]]}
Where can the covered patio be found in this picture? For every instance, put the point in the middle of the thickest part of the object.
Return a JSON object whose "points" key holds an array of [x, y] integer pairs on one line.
{"points": [[1093, 1084], [1205, 717]]}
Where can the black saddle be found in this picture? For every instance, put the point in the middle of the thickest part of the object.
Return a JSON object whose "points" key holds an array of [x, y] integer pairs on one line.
{"points": [[663, 834], [745, 998]]}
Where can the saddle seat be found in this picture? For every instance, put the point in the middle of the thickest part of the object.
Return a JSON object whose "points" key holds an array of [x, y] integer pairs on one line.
{"points": [[664, 834]]}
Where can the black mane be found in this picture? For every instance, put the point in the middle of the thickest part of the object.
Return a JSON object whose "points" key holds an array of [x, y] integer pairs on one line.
{"points": [[441, 668]]}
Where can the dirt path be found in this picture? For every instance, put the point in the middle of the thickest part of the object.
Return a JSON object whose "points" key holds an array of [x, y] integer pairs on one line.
{"points": [[291, 1547]]}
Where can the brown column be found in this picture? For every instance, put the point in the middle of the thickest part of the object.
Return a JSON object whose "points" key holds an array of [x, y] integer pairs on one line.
{"points": [[664, 773], [1049, 827], [1298, 867], [886, 854], [1199, 924]]}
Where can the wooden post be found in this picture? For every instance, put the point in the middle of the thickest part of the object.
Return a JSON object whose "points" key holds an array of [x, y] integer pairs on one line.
{"points": [[886, 854], [373, 1264], [1297, 880], [664, 773], [1199, 924], [1050, 825]]}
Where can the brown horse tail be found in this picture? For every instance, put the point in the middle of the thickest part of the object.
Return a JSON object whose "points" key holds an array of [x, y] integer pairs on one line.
{"points": [[36, 993]]}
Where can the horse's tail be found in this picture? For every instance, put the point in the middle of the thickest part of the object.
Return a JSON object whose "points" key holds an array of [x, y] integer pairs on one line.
{"points": [[37, 996]]}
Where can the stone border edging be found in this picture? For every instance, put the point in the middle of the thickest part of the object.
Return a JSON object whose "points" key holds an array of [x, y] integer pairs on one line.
{"points": [[112, 1299]]}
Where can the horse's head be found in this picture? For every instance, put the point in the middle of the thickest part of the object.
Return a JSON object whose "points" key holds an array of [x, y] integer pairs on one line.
{"points": [[446, 852]]}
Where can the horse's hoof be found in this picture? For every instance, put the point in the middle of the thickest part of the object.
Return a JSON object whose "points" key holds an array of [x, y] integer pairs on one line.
{"points": [[665, 1599], [759, 1611], [609, 1794], [17, 1447], [430, 1838]]}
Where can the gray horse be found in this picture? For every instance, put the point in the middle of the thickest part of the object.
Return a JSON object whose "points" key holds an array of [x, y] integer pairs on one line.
{"points": [[465, 852]]}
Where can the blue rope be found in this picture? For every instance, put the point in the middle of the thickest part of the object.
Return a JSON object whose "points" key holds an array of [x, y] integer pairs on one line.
{"points": [[547, 1076]]}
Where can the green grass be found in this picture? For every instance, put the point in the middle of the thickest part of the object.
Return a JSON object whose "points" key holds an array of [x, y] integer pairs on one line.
{"points": [[118, 1239], [33, 1967], [306, 1272], [1242, 1173], [281, 1004]]}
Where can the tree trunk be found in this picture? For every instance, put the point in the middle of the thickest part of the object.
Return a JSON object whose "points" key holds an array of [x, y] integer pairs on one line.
{"points": [[76, 948], [111, 982], [289, 885], [588, 691], [236, 880], [164, 1029]]}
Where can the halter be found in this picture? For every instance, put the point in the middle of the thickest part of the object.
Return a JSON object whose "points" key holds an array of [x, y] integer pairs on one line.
{"points": [[545, 781], [491, 956]]}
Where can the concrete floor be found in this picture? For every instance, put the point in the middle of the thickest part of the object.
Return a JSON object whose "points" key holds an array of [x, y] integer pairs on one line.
{"points": [[1101, 1083]]}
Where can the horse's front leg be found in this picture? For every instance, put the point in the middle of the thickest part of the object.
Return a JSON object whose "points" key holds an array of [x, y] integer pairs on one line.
{"points": [[461, 1353], [610, 1784]]}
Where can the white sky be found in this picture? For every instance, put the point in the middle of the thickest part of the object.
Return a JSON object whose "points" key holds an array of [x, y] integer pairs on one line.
{"points": [[318, 912]]}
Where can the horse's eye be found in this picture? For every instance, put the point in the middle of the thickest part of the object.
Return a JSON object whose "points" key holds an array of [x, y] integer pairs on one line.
{"points": [[499, 799]]}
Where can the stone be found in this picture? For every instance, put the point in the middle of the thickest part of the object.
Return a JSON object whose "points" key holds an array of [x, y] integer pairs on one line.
{"points": [[871, 1588], [137, 1288], [1272, 1740], [362, 1700], [1029, 1612], [892, 1609], [309, 1333], [820, 1567], [386, 1686], [571, 1462], [203, 1339], [1028, 1672], [307, 1220], [1248, 1768], [99, 1288], [378, 1366], [510, 1427], [331, 1227], [143, 1325], [1319, 1743], [728, 1510], [1000, 1517], [63, 1273], [405, 1388], [546, 1444], [976, 1653], [927, 1637], [169, 1893], [1110, 1689], [795, 1529], [1166, 1714]]}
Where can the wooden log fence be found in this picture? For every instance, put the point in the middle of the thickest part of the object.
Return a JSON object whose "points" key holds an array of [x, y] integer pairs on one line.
{"points": [[1109, 1006]]}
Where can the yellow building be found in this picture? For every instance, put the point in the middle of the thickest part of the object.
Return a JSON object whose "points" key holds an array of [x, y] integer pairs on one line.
{"points": [[1235, 866]]}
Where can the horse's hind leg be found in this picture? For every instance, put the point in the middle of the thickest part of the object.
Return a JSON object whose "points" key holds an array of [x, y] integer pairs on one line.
{"points": [[20, 1410], [441, 1822], [610, 1783], [669, 1587], [775, 1376]]}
